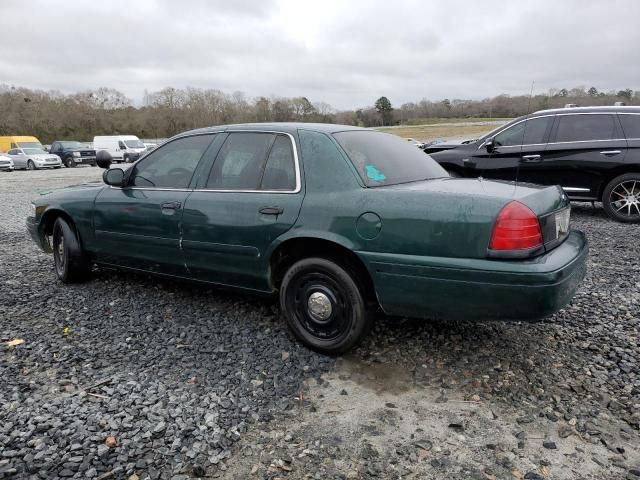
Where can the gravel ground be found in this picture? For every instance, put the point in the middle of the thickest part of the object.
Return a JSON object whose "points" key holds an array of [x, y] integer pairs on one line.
{"points": [[133, 377]]}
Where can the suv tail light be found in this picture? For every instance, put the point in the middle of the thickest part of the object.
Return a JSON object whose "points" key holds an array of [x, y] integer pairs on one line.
{"points": [[517, 229]]}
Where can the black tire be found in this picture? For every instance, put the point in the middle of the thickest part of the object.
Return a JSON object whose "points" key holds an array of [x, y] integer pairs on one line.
{"points": [[126, 159], [31, 165], [453, 174], [70, 261], [333, 330], [621, 198], [69, 163]]}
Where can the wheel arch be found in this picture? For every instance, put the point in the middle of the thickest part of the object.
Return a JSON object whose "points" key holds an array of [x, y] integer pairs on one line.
{"points": [[49, 217], [289, 251], [613, 173]]}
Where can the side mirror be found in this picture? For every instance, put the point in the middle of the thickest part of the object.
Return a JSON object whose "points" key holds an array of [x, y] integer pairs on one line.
{"points": [[103, 159], [114, 177], [489, 145]]}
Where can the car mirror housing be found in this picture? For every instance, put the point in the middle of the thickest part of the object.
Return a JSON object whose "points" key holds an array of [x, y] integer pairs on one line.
{"points": [[114, 177], [489, 145], [103, 159]]}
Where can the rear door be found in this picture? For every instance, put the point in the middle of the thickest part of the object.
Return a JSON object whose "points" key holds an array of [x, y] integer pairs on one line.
{"points": [[251, 196], [583, 148], [138, 226], [19, 158]]}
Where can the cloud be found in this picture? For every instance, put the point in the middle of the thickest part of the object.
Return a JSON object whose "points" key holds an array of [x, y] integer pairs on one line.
{"points": [[343, 53]]}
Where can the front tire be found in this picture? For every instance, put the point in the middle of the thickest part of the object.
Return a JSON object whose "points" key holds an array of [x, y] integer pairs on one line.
{"points": [[31, 165], [323, 306], [126, 159], [621, 198], [453, 174], [71, 262], [69, 163]]}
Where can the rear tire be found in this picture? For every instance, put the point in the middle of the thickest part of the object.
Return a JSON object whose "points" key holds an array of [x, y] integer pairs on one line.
{"points": [[126, 159], [621, 198], [323, 306], [71, 262]]}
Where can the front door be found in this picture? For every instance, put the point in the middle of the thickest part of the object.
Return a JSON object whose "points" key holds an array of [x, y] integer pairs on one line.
{"points": [[517, 153], [138, 226], [251, 196]]}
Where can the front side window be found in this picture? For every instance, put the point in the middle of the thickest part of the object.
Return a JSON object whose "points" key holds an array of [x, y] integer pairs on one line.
{"points": [[13, 152], [581, 128], [241, 161], [630, 125], [510, 137], [385, 159], [172, 165]]}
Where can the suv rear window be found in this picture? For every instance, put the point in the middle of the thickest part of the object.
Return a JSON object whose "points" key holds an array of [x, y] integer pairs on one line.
{"points": [[585, 127], [385, 159], [630, 125]]}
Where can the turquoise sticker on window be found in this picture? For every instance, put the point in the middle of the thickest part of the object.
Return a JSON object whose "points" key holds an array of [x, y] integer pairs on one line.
{"points": [[374, 174]]}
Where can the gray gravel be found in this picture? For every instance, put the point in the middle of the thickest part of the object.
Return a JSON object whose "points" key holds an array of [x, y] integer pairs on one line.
{"points": [[132, 375]]}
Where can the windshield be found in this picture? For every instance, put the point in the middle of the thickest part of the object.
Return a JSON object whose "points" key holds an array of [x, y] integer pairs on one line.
{"points": [[385, 159], [72, 145], [29, 144], [134, 143], [33, 151]]}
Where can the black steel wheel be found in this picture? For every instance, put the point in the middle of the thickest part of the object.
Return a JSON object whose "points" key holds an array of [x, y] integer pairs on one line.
{"points": [[323, 305], [71, 263], [621, 198]]}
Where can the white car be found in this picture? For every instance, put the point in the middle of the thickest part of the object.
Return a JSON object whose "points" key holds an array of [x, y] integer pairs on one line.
{"points": [[31, 158], [6, 164], [122, 148]]}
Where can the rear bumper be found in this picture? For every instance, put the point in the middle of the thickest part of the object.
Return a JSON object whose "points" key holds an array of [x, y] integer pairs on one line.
{"points": [[432, 287]]}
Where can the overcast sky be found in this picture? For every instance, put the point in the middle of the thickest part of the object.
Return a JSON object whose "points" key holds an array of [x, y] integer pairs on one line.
{"points": [[346, 53]]}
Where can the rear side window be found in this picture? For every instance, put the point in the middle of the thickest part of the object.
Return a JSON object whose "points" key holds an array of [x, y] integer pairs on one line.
{"points": [[580, 128], [279, 173], [630, 125], [172, 165], [241, 161], [535, 129]]}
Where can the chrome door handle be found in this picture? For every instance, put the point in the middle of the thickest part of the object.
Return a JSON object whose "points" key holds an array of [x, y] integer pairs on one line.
{"points": [[531, 158], [609, 153]]}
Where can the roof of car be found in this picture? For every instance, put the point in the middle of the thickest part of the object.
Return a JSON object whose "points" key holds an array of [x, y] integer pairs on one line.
{"points": [[279, 126], [600, 109]]}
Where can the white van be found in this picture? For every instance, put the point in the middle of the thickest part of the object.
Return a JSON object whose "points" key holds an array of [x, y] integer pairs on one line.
{"points": [[123, 148]]}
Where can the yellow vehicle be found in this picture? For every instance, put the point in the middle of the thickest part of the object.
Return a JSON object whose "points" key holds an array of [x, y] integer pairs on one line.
{"points": [[15, 141]]}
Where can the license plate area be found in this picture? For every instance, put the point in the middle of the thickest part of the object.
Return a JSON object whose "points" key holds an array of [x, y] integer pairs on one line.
{"points": [[555, 227]]}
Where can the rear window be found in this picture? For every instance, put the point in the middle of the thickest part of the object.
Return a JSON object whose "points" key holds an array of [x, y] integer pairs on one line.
{"points": [[630, 125], [385, 159], [580, 128]]}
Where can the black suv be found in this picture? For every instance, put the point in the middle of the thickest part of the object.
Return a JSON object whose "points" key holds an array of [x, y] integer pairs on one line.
{"points": [[592, 152], [73, 153]]}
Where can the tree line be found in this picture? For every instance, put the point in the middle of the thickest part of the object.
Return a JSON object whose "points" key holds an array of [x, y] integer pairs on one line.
{"points": [[52, 115]]}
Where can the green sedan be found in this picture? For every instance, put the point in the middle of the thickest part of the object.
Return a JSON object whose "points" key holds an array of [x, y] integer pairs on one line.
{"points": [[338, 221]]}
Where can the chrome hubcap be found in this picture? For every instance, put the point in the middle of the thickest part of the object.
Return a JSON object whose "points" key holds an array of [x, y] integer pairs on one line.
{"points": [[625, 198], [319, 306]]}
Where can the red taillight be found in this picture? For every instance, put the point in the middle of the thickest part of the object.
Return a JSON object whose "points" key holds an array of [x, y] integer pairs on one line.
{"points": [[517, 228]]}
